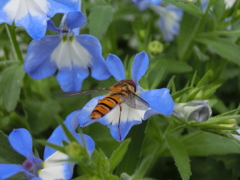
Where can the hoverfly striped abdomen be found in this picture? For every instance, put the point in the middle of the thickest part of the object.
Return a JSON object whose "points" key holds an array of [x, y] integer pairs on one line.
{"points": [[104, 106]]}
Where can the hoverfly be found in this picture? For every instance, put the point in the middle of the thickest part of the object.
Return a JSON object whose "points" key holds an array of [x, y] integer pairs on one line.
{"points": [[121, 92]]}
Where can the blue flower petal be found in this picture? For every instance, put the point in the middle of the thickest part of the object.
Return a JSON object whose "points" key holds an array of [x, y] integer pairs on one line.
{"points": [[75, 19], [21, 141], [156, 2], [34, 16], [115, 67], [90, 145], [119, 132], [84, 118], [143, 5], [58, 134], [98, 65], [71, 79], [169, 22], [160, 102], [62, 6], [35, 26], [38, 64], [139, 66], [51, 26], [8, 170], [3, 14]]}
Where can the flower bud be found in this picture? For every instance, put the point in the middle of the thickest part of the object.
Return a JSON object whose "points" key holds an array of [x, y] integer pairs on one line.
{"points": [[142, 34], [155, 47], [74, 149], [197, 110], [226, 126]]}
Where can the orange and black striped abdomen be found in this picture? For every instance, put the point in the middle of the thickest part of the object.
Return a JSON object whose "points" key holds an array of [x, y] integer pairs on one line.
{"points": [[104, 106]]}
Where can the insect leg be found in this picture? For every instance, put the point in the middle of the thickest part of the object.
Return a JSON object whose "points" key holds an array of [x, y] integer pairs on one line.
{"points": [[119, 120]]}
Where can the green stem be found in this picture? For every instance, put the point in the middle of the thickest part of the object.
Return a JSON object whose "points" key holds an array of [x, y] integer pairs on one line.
{"points": [[195, 32], [12, 37]]}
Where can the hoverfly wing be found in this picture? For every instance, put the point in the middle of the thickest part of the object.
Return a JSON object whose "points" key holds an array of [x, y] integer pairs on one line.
{"points": [[136, 102], [80, 93]]}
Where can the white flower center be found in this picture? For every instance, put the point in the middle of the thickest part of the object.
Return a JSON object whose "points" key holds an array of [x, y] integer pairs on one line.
{"points": [[71, 52], [127, 114]]}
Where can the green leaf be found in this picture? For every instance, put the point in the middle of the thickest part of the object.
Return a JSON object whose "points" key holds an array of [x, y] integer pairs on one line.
{"points": [[171, 83], [188, 28], [41, 114], [99, 20], [172, 66], [180, 156], [158, 78], [210, 91], [218, 119], [201, 56], [205, 144], [132, 157], [69, 135], [223, 47], [234, 33], [189, 7], [118, 154], [181, 92], [193, 93], [10, 156], [10, 86], [204, 79], [143, 167], [54, 146], [193, 79]]}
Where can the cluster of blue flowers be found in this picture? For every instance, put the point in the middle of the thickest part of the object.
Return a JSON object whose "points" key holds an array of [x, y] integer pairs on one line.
{"points": [[71, 54], [170, 16]]}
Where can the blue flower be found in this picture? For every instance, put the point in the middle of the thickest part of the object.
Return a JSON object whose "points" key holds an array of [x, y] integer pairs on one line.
{"points": [[58, 135], [33, 15], [159, 100], [68, 52], [204, 4], [53, 166], [143, 4], [170, 16]]}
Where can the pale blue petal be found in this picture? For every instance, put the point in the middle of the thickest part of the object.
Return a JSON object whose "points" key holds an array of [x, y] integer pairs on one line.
{"points": [[21, 141], [72, 4], [51, 26], [71, 79], [167, 35], [36, 178], [139, 66], [160, 102], [143, 5], [62, 6], [35, 26], [75, 19], [169, 22], [120, 132], [204, 5], [38, 64], [58, 134], [98, 66], [3, 15], [115, 67], [84, 118], [8, 170], [88, 141], [156, 2]]}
